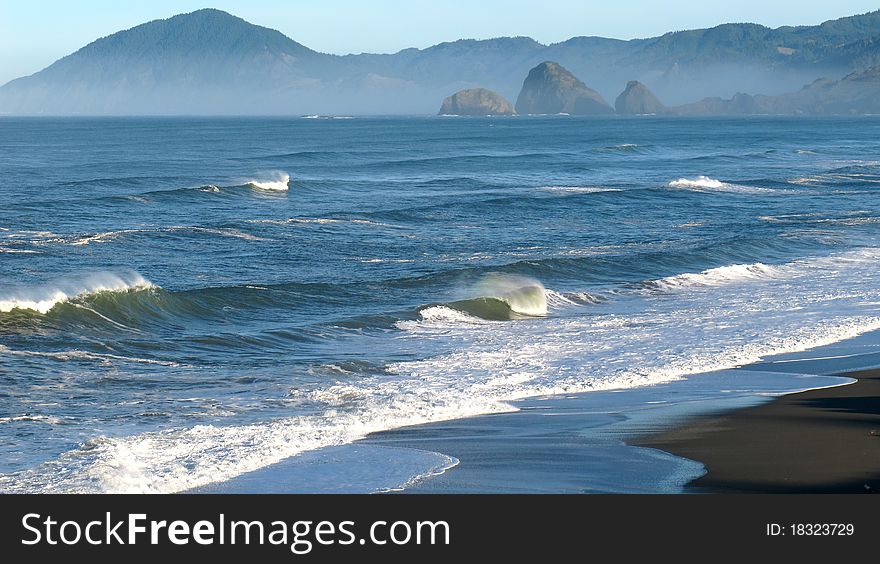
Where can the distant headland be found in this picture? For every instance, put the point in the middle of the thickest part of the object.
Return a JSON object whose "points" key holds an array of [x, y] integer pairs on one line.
{"points": [[210, 62]]}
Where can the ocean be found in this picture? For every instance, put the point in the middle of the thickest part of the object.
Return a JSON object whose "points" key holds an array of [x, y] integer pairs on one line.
{"points": [[183, 301]]}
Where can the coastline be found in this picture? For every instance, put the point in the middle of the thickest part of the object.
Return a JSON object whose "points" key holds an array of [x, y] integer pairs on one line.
{"points": [[755, 440], [616, 441], [818, 441]]}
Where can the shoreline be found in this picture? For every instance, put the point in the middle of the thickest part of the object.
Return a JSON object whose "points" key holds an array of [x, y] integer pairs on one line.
{"points": [[824, 440], [615, 441]]}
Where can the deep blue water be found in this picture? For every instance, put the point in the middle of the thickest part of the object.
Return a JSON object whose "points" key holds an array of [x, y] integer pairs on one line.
{"points": [[174, 311]]}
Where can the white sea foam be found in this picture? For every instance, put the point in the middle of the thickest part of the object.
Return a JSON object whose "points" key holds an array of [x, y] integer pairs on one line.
{"points": [[720, 275], [103, 237], [706, 184], [109, 236], [561, 300], [578, 189], [805, 180], [723, 318], [48, 419], [279, 182], [100, 358], [444, 314], [43, 297]]}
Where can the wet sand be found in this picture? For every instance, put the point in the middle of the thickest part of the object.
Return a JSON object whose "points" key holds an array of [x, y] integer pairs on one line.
{"points": [[818, 441]]}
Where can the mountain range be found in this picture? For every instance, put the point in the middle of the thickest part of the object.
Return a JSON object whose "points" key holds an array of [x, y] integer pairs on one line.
{"points": [[211, 62]]}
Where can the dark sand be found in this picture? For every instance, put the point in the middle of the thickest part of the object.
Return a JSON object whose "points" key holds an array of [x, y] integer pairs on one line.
{"points": [[818, 441]]}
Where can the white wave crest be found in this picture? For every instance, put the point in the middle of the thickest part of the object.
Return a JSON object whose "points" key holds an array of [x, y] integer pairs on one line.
{"points": [[578, 189], [707, 184], [443, 314], [42, 298], [279, 183], [109, 236], [720, 275], [523, 294]]}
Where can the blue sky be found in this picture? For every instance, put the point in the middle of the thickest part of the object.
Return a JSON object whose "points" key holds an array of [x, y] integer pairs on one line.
{"points": [[34, 34]]}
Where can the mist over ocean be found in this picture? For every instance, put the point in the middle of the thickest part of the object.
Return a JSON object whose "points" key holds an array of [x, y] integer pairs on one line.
{"points": [[185, 300]]}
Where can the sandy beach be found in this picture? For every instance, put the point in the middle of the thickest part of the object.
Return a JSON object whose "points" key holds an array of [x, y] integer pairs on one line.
{"points": [[818, 441]]}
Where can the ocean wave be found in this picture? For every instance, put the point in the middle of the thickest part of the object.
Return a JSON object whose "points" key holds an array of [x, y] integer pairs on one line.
{"points": [[623, 147], [495, 297], [578, 189], [43, 298], [504, 304], [109, 236], [279, 183], [717, 276], [805, 180], [320, 221], [445, 314], [48, 419], [481, 378], [567, 299], [87, 356], [482, 366], [707, 184]]}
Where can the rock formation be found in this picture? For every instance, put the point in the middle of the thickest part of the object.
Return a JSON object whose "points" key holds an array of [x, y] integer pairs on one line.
{"points": [[637, 99], [476, 102], [551, 89]]}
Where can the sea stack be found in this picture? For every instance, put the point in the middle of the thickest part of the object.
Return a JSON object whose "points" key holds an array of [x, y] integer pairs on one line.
{"points": [[476, 102], [637, 99], [551, 89]]}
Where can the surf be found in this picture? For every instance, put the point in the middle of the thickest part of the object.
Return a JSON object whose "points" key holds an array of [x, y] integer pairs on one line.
{"points": [[43, 298], [708, 184], [495, 297], [279, 183]]}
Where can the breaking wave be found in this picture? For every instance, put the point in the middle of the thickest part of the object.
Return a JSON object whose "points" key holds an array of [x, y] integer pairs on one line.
{"points": [[718, 276], [43, 298], [496, 297], [279, 183], [707, 184]]}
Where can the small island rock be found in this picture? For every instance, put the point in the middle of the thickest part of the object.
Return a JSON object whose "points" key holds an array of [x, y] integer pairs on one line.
{"points": [[637, 100], [476, 102], [551, 89]]}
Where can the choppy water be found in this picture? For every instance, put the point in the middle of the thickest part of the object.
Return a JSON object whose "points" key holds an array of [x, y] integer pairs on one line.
{"points": [[185, 300]]}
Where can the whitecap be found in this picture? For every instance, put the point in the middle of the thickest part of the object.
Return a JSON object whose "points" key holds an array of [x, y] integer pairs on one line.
{"points": [[718, 276], [707, 184], [278, 184], [578, 189], [43, 297]]}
